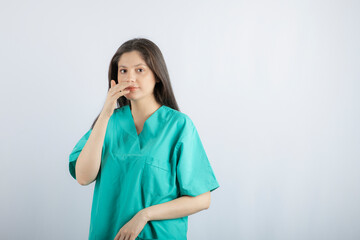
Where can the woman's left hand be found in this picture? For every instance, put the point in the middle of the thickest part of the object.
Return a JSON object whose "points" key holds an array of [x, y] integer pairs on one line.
{"points": [[132, 228]]}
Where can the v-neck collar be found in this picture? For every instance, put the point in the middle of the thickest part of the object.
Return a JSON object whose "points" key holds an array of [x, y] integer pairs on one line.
{"points": [[132, 122]]}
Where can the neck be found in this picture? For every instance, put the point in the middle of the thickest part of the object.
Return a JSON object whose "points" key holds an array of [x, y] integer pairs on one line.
{"points": [[142, 109]]}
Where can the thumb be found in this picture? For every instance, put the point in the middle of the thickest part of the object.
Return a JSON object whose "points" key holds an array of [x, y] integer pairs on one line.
{"points": [[112, 83]]}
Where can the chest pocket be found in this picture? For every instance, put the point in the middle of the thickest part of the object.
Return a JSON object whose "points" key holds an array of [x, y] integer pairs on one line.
{"points": [[156, 179]]}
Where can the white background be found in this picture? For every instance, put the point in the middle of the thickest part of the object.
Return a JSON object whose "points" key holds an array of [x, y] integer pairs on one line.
{"points": [[272, 87]]}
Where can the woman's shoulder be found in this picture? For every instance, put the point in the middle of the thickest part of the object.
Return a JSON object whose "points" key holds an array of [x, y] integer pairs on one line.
{"points": [[179, 118]]}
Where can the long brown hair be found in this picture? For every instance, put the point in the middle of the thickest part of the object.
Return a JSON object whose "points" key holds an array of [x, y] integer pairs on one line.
{"points": [[153, 57]]}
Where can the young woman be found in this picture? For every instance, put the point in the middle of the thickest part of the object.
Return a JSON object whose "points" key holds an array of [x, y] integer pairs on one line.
{"points": [[147, 159]]}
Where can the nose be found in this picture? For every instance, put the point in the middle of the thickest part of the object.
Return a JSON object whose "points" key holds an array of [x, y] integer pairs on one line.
{"points": [[131, 81], [130, 78]]}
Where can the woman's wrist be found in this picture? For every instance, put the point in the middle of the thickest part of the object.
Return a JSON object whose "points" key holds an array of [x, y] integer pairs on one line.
{"points": [[104, 116], [144, 213]]}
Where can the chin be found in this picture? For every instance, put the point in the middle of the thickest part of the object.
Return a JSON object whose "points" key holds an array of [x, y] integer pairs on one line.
{"points": [[131, 97]]}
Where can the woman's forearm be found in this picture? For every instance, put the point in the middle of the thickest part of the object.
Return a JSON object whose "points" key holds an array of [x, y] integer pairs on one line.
{"points": [[89, 160], [179, 207]]}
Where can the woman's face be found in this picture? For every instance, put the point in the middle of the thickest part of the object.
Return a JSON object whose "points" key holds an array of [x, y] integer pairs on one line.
{"points": [[132, 68]]}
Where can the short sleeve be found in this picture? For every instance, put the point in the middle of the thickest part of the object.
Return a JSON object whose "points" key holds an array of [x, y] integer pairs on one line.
{"points": [[76, 152], [194, 173]]}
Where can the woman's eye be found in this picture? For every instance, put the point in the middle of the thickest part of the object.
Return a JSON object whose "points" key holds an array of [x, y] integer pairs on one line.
{"points": [[121, 70]]}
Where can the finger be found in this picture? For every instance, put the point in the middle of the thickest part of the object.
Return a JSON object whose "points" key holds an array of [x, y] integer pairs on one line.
{"points": [[120, 93], [113, 83], [115, 87], [117, 236], [122, 85], [119, 89]]}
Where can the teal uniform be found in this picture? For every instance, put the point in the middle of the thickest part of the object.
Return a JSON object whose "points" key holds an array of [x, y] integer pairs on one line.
{"points": [[165, 161]]}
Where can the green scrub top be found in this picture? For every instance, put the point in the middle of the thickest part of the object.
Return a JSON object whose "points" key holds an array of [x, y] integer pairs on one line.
{"points": [[165, 161]]}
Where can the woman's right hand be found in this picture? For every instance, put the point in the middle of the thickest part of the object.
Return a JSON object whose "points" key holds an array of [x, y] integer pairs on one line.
{"points": [[115, 91]]}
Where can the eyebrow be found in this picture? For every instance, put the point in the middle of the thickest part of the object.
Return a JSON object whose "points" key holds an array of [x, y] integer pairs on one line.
{"points": [[134, 65]]}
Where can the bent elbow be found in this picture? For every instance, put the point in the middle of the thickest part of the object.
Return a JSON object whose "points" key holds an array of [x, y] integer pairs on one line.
{"points": [[80, 182], [85, 183], [206, 204]]}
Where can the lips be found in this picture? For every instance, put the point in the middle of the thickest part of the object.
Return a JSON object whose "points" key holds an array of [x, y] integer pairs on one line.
{"points": [[131, 88]]}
